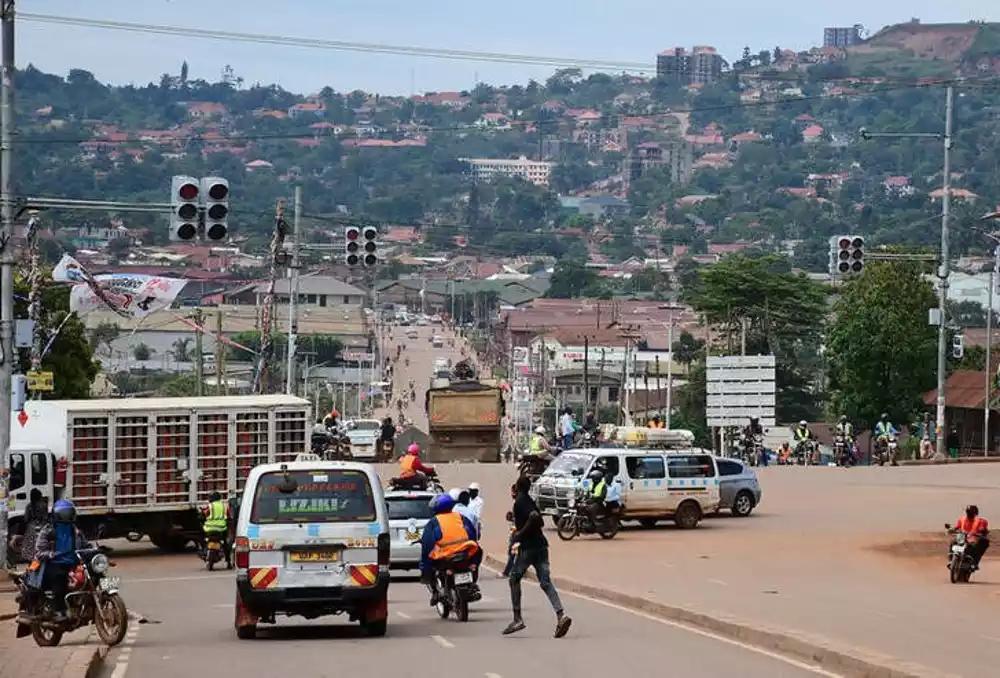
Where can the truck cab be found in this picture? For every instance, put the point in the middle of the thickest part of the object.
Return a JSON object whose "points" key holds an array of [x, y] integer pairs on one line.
{"points": [[33, 467]]}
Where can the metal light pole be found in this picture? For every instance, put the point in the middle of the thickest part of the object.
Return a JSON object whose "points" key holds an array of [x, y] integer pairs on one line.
{"points": [[293, 297], [943, 270], [6, 257], [988, 385]]}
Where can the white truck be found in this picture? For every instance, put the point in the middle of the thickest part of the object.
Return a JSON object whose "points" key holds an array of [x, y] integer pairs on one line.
{"points": [[146, 465]]}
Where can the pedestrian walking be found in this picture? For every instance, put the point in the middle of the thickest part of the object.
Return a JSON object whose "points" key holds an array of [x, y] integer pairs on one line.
{"points": [[531, 549]]}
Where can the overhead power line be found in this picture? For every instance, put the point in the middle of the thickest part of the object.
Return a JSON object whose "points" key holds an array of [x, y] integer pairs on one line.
{"points": [[340, 45]]}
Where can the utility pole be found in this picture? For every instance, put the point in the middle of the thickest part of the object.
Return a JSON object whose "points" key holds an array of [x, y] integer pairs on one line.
{"points": [[586, 373], [670, 369], [990, 372], [220, 355], [943, 269], [6, 255], [199, 356], [293, 296]]}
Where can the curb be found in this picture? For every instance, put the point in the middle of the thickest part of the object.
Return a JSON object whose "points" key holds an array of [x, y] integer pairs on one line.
{"points": [[815, 650], [91, 661], [941, 462]]}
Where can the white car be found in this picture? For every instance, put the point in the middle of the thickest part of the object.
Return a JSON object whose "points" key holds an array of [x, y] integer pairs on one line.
{"points": [[408, 515], [364, 435], [437, 341]]}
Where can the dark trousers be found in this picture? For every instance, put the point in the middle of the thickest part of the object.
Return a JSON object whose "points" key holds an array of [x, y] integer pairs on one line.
{"points": [[509, 565], [225, 543], [979, 550], [537, 558], [56, 579]]}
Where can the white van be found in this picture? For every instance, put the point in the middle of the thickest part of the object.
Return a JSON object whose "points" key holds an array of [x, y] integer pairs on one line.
{"points": [[312, 539], [663, 477]]}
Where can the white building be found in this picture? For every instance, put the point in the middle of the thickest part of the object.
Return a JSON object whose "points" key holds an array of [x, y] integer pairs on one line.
{"points": [[486, 169]]}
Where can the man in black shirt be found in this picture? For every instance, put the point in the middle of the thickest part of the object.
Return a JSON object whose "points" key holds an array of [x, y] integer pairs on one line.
{"points": [[532, 549]]}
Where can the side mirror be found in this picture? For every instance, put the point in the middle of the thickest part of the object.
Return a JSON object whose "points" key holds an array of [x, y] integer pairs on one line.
{"points": [[947, 526], [577, 471]]}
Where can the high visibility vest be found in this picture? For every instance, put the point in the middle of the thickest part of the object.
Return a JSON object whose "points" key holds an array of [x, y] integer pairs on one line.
{"points": [[598, 488], [406, 466], [535, 444], [974, 528], [454, 537], [216, 521]]}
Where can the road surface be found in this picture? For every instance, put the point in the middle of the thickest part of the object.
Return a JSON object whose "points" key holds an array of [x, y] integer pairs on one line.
{"points": [[192, 634]]}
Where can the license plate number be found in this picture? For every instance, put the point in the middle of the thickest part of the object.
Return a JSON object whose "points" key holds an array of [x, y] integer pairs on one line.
{"points": [[314, 557], [109, 584], [463, 578], [409, 536], [957, 549], [214, 546]]}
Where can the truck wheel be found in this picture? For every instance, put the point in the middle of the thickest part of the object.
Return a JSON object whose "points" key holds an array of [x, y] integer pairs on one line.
{"points": [[171, 543]]}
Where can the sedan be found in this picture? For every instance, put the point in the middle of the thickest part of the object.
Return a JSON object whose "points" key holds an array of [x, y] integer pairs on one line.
{"points": [[408, 515], [739, 490]]}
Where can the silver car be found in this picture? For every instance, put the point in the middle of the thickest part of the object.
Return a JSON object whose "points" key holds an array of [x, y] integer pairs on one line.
{"points": [[739, 490], [408, 514]]}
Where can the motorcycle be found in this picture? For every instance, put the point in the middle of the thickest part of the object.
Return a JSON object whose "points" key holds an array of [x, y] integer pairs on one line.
{"points": [[886, 450], [456, 587], [576, 520], [92, 598], [587, 440], [753, 450], [385, 451], [961, 564], [213, 551], [428, 482], [804, 452], [532, 466], [842, 451]]}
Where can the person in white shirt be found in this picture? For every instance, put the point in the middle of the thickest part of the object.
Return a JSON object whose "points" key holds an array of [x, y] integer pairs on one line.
{"points": [[476, 501], [567, 428], [463, 507]]}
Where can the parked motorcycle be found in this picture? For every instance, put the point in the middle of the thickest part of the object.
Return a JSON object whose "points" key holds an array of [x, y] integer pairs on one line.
{"points": [[456, 587], [575, 520], [960, 562], [92, 598]]}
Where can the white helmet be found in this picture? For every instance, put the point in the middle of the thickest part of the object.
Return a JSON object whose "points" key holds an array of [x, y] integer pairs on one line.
{"points": [[540, 430], [803, 423], [454, 493], [473, 486]]}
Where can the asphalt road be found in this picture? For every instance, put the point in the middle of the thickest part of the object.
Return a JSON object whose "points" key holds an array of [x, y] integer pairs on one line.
{"points": [[191, 633]]}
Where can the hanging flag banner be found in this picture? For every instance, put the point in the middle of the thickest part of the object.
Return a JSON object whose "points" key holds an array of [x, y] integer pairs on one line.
{"points": [[129, 295]]}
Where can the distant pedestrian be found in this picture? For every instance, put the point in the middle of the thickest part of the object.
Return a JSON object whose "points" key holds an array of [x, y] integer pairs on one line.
{"points": [[531, 549]]}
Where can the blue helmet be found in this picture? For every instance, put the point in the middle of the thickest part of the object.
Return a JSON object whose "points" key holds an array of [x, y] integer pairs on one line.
{"points": [[443, 503], [64, 511]]}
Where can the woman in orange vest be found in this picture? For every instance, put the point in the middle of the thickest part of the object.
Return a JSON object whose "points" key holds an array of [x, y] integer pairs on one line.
{"points": [[446, 535]]}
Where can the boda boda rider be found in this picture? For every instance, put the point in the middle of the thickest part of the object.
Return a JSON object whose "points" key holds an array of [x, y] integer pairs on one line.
{"points": [[56, 549], [217, 524], [598, 493], [539, 446], [845, 429], [977, 530], [410, 465], [884, 428], [447, 535], [331, 420]]}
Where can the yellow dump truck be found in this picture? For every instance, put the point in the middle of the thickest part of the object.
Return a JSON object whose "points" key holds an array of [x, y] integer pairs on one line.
{"points": [[464, 420]]}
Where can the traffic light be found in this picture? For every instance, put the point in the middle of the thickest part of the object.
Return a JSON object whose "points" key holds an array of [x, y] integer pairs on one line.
{"points": [[957, 346], [184, 192], [352, 245], [848, 253], [215, 194], [370, 236]]}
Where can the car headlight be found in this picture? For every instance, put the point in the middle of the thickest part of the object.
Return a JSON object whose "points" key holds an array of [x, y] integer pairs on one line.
{"points": [[100, 563]]}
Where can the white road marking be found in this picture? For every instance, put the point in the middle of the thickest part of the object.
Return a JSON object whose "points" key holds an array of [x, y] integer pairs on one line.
{"points": [[493, 675], [221, 606], [719, 582], [403, 615], [125, 654], [443, 642]]}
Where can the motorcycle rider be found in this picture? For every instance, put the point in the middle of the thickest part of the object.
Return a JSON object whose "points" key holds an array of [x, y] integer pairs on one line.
{"points": [[655, 422], [598, 495], [845, 429], [56, 548], [332, 420], [590, 425], [977, 530], [446, 535], [753, 429], [217, 523], [411, 466], [539, 445], [387, 435], [884, 430]]}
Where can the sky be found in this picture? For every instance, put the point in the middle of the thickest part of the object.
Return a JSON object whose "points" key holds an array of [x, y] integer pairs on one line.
{"points": [[607, 30]]}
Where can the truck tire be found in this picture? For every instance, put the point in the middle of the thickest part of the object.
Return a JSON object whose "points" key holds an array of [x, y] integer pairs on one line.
{"points": [[171, 543]]}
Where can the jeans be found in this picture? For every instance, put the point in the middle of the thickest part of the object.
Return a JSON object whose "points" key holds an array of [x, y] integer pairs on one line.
{"points": [[539, 559], [567, 441]]}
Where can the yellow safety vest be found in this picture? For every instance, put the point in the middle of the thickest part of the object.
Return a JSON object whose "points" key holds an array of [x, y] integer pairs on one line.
{"points": [[216, 521], [535, 444], [596, 493]]}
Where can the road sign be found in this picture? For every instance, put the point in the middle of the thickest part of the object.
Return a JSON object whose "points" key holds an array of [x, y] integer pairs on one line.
{"points": [[739, 387], [40, 381], [358, 356]]}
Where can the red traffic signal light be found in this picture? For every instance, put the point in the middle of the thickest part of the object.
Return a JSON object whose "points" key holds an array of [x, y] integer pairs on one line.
{"points": [[353, 233], [188, 191], [845, 243]]}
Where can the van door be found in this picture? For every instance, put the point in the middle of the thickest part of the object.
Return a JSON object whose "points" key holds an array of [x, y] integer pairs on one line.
{"points": [[17, 484], [646, 486]]}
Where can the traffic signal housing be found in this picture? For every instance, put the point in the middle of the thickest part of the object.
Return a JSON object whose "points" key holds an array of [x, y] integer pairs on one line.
{"points": [[184, 194], [370, 236], [847, 254], [352, 245], [958, 346], [215, 194]]}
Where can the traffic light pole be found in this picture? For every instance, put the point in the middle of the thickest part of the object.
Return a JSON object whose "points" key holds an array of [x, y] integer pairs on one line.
{"points": [[6, 257], [293, 296]]}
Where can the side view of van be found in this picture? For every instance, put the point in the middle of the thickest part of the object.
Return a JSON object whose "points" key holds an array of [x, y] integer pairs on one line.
{"points": [[312, 540]]}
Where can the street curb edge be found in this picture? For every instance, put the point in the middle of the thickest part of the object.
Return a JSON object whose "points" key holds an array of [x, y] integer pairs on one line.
{"points": [[811, 649], [92, 659]]}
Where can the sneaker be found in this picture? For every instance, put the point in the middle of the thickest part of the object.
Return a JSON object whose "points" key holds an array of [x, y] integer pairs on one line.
{"points": [[514, 627], [562, 626]]}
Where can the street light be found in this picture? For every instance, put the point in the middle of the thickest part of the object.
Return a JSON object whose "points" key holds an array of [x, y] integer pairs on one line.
{"points": [[942, 361]]}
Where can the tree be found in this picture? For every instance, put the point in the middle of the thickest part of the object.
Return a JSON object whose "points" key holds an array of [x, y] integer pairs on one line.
{"points": [[102, 336], [777, 55], [778, 312], [180, 350], [881, 353], [571, 279], [70, 357], [689, 405], [141, 351], [688, 349]]}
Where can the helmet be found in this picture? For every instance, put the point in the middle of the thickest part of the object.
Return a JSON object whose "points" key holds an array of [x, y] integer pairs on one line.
{"points": [[884, 416], [454, 493], [413, 449], [64, 511], [596, 475], [540, 430], [843, 419], [473, 486], [215, 497], [972, 510], [334, 413], [803, 423], [754, 419], [443, 503]]}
